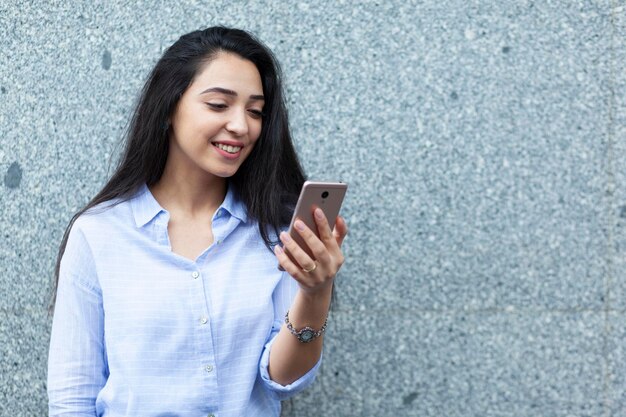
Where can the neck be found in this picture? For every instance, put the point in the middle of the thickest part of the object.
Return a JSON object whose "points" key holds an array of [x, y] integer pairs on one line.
{"points": [[193, 196]]}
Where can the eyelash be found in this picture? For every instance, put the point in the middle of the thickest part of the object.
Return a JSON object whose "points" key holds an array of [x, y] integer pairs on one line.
{"points": [[218, 107]]}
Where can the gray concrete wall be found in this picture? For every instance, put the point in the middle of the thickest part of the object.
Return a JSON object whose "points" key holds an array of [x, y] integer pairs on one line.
{"points": [[485, 147]]}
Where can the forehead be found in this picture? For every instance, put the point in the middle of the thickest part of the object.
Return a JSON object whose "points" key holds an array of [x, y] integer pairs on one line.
{"points": [[230, 71]]}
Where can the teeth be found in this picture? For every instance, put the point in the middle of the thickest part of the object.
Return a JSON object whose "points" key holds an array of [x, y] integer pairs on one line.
{"points": [[228, 148]]}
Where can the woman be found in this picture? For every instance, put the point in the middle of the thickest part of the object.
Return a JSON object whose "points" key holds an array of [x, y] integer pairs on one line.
{"points": [[168, 301]]}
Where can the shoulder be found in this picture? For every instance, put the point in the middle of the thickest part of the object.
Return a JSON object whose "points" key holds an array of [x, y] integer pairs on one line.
{"points": [[103, 216], [97, 219], [92, 232], [116, 212], [78, 261]]}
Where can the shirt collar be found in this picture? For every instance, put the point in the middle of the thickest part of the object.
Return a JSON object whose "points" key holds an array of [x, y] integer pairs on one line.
{"points": [[233, 204], [145, 207]]}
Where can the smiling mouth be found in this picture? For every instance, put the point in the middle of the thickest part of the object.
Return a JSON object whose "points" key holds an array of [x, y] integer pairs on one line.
{"points": [[227, 148]]}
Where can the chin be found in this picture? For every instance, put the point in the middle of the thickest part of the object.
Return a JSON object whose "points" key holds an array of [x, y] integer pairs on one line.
{"points": [[225, 174]]}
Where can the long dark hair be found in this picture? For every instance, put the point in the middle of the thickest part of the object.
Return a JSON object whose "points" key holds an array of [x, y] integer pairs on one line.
{"points": [[268, 181]]}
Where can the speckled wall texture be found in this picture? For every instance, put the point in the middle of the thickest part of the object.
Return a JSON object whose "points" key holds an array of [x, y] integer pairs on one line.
{"points": [[485, 147]]}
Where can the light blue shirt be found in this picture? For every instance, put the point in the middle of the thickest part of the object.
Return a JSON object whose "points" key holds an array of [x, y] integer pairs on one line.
{"points": [[141, 331]]}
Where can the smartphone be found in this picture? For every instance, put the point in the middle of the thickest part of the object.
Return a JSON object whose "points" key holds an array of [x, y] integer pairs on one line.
{"points": [[326, 195]]}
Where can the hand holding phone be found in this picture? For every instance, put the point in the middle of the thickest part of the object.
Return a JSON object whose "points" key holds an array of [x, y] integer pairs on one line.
{"points": [[328, 196]]}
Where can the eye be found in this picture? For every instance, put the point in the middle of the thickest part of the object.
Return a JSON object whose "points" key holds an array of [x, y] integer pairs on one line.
{"points": [[257, 114], [217, 106]]}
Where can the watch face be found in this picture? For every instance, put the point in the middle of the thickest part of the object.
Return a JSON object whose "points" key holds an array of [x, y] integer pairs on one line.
{"points": [[306, 335]]}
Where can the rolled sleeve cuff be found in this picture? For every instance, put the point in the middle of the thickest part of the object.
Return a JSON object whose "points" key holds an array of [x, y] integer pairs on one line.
{"points": [[283, 392]]}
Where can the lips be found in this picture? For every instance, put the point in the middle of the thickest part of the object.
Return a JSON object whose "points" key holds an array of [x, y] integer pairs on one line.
{"points": [[228, 149]]}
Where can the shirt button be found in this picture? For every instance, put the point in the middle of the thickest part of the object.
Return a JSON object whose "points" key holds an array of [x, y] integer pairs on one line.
{"points": [[195, 274], [204, 320], [209, 368], [211, 415]]}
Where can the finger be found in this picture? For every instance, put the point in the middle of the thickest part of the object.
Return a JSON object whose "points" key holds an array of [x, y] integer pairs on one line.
{"points": [[323, 228], [297, 253], [340, 231], [287, 264], [318, 248]]}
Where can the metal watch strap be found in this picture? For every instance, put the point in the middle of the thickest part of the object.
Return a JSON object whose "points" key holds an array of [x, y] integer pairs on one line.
{"points": [[305, 334]]}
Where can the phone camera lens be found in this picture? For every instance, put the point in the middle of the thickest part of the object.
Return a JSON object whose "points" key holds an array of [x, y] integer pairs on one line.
{"points": [[325, 194]]}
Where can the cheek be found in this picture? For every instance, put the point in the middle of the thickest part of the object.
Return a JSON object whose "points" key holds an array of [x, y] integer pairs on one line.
{"points": [[255, 143], [257, 131]]}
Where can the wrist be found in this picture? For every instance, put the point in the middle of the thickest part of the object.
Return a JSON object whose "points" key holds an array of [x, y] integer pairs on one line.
{"points": [[310, 309], [306, 334], [317, 295]]}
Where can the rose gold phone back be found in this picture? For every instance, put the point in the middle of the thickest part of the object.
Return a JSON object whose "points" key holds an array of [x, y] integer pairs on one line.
{"points": [[327, 196]]}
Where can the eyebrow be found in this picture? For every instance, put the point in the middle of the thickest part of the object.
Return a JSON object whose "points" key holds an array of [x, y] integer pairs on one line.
{"points": [[229, 93]]}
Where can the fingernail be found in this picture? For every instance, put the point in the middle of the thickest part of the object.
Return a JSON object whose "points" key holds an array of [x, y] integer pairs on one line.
{"points": [[319, 213], [285, 237], [278, 250], [299, 225]]}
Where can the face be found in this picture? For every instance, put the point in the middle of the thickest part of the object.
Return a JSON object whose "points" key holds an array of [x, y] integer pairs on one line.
{"points": [[218, 118]]}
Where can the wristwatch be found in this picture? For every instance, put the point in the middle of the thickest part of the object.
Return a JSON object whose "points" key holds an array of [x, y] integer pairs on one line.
{"points": [[305, 334]]}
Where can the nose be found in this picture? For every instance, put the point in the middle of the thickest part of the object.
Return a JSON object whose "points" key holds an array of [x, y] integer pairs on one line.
{"points": [[237, 123]]}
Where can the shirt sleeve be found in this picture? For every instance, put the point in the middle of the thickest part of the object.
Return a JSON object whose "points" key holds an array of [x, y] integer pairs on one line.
{"points": [[283, 296], [77, 368]]}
